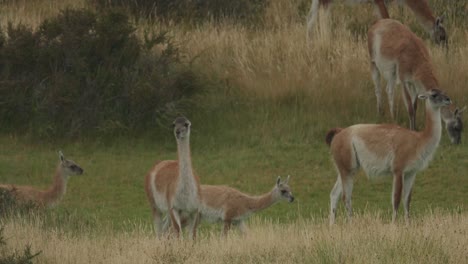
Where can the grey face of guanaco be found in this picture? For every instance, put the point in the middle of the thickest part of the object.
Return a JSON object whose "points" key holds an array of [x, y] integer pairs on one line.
{"points": [[455, 127], [69, 167], [181, 128], [436, 98], [440, 35], [284, 189]]}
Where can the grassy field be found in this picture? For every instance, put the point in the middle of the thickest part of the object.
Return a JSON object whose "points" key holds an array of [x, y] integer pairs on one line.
{"points": [[271, 98], [439, 237]]}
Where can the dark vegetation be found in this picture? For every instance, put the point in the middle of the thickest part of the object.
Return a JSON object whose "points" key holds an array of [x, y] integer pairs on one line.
{"points": [[85, 73], [7, 203], [9, 206], [16, 257]]}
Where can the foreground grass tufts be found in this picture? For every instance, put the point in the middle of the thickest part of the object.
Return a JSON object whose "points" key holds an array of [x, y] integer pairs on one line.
{"points": [[16, 257], [432, 238]]}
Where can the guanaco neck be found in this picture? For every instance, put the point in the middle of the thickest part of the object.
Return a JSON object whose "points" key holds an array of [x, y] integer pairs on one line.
{"points": [[433, 128], [58, 188], [423, 13], [425, 75], [185, 162], [258, 203]]}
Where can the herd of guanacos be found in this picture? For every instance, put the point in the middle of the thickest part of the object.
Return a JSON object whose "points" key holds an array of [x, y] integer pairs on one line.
{"points": [[177, 199]]}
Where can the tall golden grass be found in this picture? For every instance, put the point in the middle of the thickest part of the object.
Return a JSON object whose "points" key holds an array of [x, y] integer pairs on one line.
{"points": [[435, 238], [330, 74], [33, 12], [276, 61]]}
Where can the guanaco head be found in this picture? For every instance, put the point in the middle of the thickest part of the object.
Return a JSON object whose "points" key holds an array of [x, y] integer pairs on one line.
{"points": [[282, 190], [181, 128], [453, 123], [69, 167], [436, 98], [439, 34]]}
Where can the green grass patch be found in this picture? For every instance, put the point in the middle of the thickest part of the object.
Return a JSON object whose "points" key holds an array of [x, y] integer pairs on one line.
{"points": [[246, 147]]}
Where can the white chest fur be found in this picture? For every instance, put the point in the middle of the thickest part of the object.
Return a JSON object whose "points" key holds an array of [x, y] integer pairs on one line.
{"points": [[186, 197]]}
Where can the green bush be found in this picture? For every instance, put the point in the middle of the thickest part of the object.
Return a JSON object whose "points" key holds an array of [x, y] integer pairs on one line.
{"points": [[83, 73], [7, 202], [189, 10], [9, 206]]}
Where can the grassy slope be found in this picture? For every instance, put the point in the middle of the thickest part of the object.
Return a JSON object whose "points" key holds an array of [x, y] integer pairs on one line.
{"points": [[246, 157]]}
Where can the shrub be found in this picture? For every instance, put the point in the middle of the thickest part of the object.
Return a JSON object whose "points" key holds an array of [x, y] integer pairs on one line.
{"points": [[7, 202], [9, 205], [87, 73], [16, 257]]}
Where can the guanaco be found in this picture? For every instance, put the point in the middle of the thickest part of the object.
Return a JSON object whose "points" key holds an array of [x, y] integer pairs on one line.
{"points": [[52, 196], [225, 204], [172, 187], [385, 149], [401, 57], [432, 24], [453, 123]]}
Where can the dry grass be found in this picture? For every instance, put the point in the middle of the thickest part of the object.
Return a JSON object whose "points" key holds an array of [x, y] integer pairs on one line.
{"points": [[435, 238], [329, 76], [276, 61], [33, 12]]}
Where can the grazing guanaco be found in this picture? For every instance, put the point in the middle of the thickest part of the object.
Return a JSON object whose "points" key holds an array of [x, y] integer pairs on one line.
{"points": [[401, 57], [432, 24], [221, 203], [52, 196], [172, 187], [385, 150], [453, 123]]}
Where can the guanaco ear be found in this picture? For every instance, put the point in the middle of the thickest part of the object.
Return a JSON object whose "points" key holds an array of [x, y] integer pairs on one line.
{"points": [[423, 96], [439, 20], [458, 112], [62, 158], [287, 180], [278, 181]]}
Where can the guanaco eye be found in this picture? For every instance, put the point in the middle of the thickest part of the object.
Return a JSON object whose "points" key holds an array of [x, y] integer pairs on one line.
{"points": [[73, 166], [283, 191], [186, 124]]}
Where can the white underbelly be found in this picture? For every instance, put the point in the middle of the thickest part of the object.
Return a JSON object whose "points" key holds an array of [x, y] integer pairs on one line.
{"points": [[373, 165], [186, 202], [211, 214]]}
